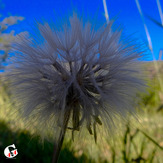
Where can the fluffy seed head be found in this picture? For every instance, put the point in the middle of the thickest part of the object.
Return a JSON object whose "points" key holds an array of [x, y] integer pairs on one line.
{"points": [[89, 75]]}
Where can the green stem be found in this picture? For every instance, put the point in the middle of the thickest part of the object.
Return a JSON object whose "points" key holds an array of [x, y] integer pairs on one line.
{"points": [[58, 145]]}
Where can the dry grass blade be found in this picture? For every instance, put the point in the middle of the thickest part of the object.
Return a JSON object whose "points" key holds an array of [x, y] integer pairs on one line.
{"points": [[160, 11], [152, 140], [106, 11]]}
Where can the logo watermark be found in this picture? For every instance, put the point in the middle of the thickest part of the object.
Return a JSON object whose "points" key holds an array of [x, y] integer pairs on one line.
{"points": [[10, 151]]}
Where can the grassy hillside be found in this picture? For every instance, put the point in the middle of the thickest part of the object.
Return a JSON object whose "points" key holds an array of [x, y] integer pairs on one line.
{"points": [[138, 140]]}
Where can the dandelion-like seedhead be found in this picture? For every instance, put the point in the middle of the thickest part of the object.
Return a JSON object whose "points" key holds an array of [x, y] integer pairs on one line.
{"points": [[78, 74]]}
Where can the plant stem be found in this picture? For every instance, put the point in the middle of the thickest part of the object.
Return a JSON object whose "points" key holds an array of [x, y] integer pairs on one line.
{"points": [[58, 145]]}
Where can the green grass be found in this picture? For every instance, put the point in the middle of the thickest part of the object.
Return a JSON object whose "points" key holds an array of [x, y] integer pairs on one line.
{"points": [[137, 141]]}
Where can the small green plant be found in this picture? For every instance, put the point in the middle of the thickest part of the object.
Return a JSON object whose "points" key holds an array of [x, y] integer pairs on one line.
{"points": [[139, 150]]}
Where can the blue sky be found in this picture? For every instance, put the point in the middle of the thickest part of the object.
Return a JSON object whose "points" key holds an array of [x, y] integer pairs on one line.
{"points": [[125, 12]]}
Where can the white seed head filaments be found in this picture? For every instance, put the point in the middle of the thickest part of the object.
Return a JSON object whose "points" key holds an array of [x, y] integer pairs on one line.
{"points": [[88, 74]]}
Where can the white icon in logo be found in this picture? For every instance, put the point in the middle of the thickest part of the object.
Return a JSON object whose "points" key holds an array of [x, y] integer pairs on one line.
{"points": [[10, 151]]}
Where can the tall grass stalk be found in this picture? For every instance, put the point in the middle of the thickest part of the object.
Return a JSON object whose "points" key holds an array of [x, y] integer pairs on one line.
{"points": [[160, 54], [150, 46], [160, 11], [106, 11]]}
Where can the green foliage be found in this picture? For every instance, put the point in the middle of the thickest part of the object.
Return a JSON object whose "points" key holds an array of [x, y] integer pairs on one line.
{"points": [[153, 98], [139, 150]]}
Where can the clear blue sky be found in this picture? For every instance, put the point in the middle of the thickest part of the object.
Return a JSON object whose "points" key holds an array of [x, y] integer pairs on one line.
{"points": [[125, 12]]}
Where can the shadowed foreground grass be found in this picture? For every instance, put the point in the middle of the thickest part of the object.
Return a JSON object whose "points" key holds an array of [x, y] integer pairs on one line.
{"points": [[134, 146], [30, 149]]}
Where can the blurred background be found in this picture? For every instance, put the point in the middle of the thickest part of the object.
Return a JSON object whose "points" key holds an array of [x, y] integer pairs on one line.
{"points": [[138, 141]]}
